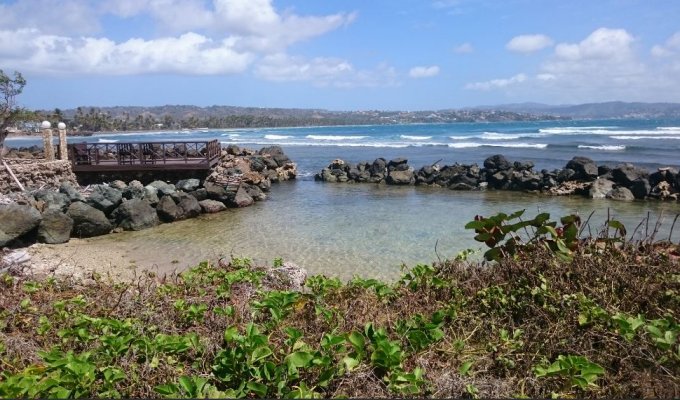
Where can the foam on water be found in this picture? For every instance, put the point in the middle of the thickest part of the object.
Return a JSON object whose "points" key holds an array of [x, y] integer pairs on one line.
{"points": [[334, 137], [413, 137], [603, 147], [277, 137]]}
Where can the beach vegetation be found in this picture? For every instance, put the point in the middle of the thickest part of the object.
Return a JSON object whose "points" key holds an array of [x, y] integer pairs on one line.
{"points": [[10, 87], [592, 317]]}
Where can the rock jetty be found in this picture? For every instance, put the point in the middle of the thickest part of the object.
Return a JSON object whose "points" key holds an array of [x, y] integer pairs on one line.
{"points": [[581, 175], [54, 214]]}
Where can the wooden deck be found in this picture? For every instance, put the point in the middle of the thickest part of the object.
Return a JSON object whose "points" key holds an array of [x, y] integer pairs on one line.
{"points": [[143, 156]]}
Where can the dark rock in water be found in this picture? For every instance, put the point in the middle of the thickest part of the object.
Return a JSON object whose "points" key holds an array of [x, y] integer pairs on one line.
{"points": [[499, 180], [135, 215], [640, 188], [378, 167], [270, 163], [242, 198], [257, 164], [15, 221], [212, 206], [219, 193], [55, 227], [497, 162], [271, 150], [104, 198], [281, 159], [167, 209], [603, 170], [566, 175], [69, 190], [584, 168], [461, 186], [621, 193], [87, 220], [666, 174], [265, 185], [188, 185], [600, 188], [626, 174], [526, 180], [189, 207], [464, 179], [523, 165], [396, 162], [400, 177], [255, 192], [200, 194], [134, 190], [53, 200]]}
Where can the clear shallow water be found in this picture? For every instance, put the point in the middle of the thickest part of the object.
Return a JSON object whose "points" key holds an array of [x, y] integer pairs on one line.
{"points": [[344, 229]]}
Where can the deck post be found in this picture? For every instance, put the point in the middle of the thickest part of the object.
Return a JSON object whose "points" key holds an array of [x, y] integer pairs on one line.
{"points": [[63, 152], [48, 149]]}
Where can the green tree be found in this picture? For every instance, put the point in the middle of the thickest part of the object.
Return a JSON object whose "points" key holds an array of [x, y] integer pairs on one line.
{"points": [[10, 88]]}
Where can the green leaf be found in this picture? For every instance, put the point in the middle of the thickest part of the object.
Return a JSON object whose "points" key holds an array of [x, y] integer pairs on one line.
{"points": [[230, 334], [350, 363], [169, 389], [299, 359], [357, 340], [465, 368], [259, 389], [188, 385], [260, 353]]}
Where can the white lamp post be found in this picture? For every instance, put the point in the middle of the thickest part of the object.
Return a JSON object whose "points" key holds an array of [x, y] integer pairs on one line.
{"points": [[63, 153], [47, 140]]}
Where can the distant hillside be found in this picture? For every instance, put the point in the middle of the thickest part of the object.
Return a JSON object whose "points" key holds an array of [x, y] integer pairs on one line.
{"points": [[612, 109]]}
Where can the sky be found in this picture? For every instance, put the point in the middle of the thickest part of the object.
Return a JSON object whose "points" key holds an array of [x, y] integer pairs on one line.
{"points": [[341, 54]]}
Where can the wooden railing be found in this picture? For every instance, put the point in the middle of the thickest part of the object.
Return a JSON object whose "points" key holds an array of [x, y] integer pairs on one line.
{"points": [[143, 155]]}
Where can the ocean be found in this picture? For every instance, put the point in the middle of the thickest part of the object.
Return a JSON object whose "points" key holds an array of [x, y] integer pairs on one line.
{"points": [[371, 230]]}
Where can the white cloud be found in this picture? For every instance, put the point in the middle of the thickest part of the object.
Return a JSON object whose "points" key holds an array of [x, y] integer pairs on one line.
{"points": [[464, 48], [424, 72], [190, 53], [497, 83], [529, 43], [671, 47], [323, 72]]}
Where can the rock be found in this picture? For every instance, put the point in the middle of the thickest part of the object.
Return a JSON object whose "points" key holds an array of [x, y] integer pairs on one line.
{"points": [[167, 210], [664, 191], [523, 165], [378, 167], [255, 192], [603, 170], [199, 194], [55, 227], [640, 188], [393, 164], [400, 178], [188, 185], [135, 215], [271, 151], [69, 190], [188, 207], [621, 193], [219, 193], [150, 195], [104, 198], [87, 220], [289, 277], [15, 221], [233, 149], [460, 186], [12, 260], [163, 188], [257, 164], [626, 174], [53, 200], [584, 168], [212, 206], [497, 163], [119, 185], [134, 190], [600, 188], [242, 198], [566, 175]]}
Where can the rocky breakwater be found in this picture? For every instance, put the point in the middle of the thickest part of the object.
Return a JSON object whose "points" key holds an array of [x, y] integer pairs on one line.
{"points": [[49, 215], [580, 175]]}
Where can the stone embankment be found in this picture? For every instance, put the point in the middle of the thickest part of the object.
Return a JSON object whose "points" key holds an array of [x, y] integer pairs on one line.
{"points": [[53, 213], [581, 175]]}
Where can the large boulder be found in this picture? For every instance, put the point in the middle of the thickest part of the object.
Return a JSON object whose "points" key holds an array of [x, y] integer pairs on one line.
{"points": [[135, 215], [242, 198], [584, 168], [105, 198], [218, 192], [600, 188], [621, 193], [255, 192], [378, 167], [211, 206], [134, 190], [640, 188], [163, 188], [87, 220], [497, 162], [69, 190], [397, 177], [53, 200], [55, 227], [188, 207], [167, 209], [626, 174], [188, 185], [15, 221]]}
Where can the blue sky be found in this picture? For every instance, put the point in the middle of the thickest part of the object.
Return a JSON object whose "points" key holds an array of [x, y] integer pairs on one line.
{"points": [[341, 54]]}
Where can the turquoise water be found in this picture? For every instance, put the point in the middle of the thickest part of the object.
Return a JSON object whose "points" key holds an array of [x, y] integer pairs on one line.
{"points": [[347, 229]]}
